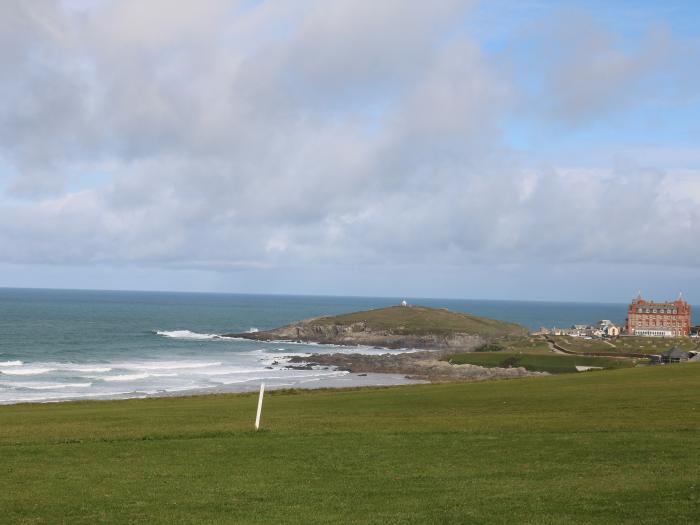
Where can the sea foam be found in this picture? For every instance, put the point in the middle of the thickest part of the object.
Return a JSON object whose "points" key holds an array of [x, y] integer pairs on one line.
{"points": [[134, 377], [187, 334], [80, 368], [47, 386], [28, 371], [172, 365]]}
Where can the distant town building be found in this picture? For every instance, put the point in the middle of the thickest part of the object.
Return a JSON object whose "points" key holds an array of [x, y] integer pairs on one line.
{"points": [[610, 330], [652, 319], [604, 328]]}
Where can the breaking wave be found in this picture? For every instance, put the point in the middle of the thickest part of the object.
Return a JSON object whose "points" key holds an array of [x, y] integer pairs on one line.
{"points": [[134, 377], [172, 365], [187, 334], [28, 371], [78, 368], [47, 386]]}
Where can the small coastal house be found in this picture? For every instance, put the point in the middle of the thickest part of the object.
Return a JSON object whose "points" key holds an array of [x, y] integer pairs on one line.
{"points": [[612, 331], [674, 355]]}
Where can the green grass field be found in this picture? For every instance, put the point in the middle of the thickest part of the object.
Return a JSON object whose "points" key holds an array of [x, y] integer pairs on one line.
{"points": [[525, 345], [579, 344], [628, 344], [552, 363], [655, 345], [609, 447]]}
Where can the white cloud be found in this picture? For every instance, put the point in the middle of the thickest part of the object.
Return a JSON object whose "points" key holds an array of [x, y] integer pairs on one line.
{"points": [[239, 134]]}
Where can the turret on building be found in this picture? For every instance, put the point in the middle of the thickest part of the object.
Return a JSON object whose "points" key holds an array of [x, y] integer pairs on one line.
{"points": [[652, 319]]}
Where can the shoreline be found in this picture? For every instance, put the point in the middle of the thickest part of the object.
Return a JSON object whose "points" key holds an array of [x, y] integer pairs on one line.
{"points": [[419, 364], [357, 370], [349, 381]]}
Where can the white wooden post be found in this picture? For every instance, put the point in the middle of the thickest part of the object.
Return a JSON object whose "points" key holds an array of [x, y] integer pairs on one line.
{"points": [[260, 400]]}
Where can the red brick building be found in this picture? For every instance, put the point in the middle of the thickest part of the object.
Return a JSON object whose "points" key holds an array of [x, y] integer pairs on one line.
{"points": [[667, 319]]}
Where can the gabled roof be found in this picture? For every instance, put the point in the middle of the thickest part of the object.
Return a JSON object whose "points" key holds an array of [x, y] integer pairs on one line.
{"points": [[675, 353]]}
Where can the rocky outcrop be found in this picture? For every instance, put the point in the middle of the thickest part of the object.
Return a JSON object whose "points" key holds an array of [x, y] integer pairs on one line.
{"points": [[417, 365]]}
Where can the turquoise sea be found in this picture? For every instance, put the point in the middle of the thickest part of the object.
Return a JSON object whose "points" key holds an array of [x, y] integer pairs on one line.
{"points": [[67, 344]]}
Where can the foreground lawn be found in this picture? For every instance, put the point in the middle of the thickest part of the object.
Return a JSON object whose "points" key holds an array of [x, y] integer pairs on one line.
{"points": [[608, 447], [552, 363]]}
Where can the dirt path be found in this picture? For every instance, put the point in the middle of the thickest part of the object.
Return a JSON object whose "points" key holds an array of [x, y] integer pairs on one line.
{"points": [[555, 349]]}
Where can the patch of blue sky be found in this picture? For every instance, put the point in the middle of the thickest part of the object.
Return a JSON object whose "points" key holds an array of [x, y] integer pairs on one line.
{"points": [[629, 16], [81, 180], [7, 174], [595, 145], [664, 124], [661, 109]]}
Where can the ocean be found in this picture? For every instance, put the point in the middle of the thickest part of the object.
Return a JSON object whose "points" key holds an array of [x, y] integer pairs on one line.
{"points": [[69, 344]]}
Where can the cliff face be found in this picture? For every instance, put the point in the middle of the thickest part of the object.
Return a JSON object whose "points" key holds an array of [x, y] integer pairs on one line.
{"points": [[360, 334]]}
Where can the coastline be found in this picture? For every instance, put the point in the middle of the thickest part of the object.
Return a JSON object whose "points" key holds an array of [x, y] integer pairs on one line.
{"points": [[347, 381], [354, 370], [349, 370], [427, 365], [163, 352]]}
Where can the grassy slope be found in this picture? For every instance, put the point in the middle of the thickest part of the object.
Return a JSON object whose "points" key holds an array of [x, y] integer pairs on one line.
{"points": [[555, 364], [420, 320], [655, 345], [529, 345], [634, 345], [609, 447]]}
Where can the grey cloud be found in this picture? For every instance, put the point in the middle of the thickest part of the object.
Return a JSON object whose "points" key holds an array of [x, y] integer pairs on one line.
{"points": [[345, 132]]}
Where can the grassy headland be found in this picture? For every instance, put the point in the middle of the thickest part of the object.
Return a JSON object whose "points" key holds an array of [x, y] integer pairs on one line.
{"points": [[396, 327], [609, 447], [422, 320]]}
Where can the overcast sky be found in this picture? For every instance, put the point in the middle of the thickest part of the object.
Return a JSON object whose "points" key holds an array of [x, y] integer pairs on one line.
{"points": [[509, 149]]}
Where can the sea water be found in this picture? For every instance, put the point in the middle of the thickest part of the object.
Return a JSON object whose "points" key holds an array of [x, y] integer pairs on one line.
{"points": [[67, 344]]}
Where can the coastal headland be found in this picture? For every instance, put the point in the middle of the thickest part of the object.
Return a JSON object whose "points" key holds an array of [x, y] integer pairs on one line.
{"points": [[395, 327], [434, 332]]}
